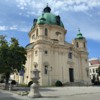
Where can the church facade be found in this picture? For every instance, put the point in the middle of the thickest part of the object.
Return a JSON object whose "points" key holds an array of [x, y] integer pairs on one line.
{"points": [[55, 58]]}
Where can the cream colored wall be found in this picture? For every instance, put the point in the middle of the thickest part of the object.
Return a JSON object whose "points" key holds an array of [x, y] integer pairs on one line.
{"points": [[52, 29], [57, 57], [28, 67]]}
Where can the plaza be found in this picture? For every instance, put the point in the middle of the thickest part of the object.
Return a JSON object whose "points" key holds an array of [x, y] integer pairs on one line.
{"points": [[56, 93]]}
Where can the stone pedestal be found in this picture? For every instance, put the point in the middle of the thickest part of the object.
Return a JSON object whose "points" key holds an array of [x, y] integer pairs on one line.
{"points": [[34, 88], [34, 91]]}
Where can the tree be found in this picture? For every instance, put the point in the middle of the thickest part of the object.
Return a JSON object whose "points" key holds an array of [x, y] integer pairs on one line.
{"points": [[12, 57], [98, 71]]}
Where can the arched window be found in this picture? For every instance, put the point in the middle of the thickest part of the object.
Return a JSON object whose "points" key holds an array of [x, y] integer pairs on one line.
{"points": [[33, 36], [70, 55], [84, 45], [46, 52], [45, 69], [36, 32], [77, 45], [46, 31]]}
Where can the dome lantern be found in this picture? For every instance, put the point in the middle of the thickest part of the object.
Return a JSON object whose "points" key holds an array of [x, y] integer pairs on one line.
{"points": [[47, 9], [79, 35]]}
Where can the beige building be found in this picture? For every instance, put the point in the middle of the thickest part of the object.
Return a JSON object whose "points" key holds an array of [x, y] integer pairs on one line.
{"points": [[94, 63], [52, 55]]}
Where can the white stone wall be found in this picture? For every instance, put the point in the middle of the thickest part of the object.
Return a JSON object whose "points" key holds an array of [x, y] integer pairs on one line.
{"points": [[92, 70]]}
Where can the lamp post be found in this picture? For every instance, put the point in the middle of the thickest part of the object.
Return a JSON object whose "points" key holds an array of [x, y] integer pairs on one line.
{"points": [[34, 88], [10, 85]]}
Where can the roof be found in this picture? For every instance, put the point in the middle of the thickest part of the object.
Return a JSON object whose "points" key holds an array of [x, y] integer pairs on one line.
{"points": [[29, 46], [94, 62], [79, 35], [48, 18]]}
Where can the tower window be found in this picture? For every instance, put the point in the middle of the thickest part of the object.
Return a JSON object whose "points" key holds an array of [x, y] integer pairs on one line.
{"points": [[35, 52], [37, 32], [70, 55], [46, 52], [33, 36], [46, 31], [84, 45], [58, 20], [45, 69], [77, 45]]}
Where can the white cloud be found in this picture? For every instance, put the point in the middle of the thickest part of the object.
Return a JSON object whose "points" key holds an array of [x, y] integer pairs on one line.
{"points": [[15, 27], [3, 28], [36, 6], [92, 33]]}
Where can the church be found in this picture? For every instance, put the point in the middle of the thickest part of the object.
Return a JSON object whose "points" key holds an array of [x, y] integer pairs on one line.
{"points": [[55, 58]]}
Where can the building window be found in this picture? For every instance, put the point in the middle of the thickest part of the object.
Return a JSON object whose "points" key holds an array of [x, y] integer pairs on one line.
{"points": [[35, 66], [77, 45], [33, 36], [46, 31], [96, 70], [84, 45], [93, 70], [46, 52], [36, 32], [45, 69], [35, 52], [70, 55], [90, 70]]}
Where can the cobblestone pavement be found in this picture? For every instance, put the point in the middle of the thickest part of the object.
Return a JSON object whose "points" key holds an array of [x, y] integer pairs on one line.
{"points": [[55, 93]]}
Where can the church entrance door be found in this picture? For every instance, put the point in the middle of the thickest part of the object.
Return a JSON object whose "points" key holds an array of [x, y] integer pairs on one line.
{"points": [[71, 74]]}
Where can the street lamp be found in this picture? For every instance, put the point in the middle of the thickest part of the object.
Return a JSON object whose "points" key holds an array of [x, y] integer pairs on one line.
{"points": [[10, 85]]}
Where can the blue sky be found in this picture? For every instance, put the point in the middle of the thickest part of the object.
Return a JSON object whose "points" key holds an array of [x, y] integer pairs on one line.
{"points": [[16, 19]]}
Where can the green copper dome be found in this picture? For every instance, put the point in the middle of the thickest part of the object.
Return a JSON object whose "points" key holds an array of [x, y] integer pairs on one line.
{"points": [[48, 18], [79, 35]]}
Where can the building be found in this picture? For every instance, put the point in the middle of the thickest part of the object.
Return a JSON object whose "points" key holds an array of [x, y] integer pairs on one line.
{"points": [[52, 55], [94, 63]]}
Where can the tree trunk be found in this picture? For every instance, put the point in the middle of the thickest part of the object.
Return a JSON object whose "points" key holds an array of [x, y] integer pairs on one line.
{"points": [[7, 76]]}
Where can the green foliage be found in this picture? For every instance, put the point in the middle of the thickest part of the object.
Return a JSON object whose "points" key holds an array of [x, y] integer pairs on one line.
{"points": [[23, 85], [30, 83], [12, 57], [58, 83], [13, 82], [1, 81], [98, 71]]}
